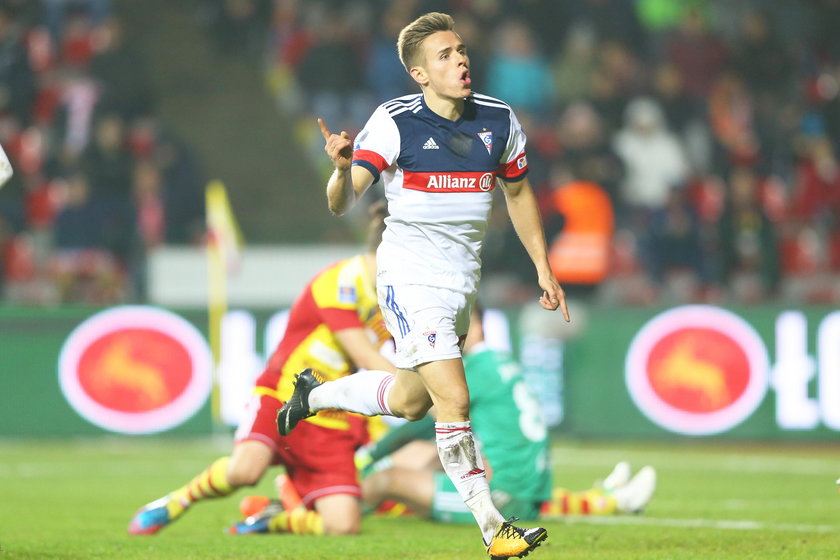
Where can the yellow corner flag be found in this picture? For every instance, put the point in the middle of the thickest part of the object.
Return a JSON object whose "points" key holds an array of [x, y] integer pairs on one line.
{"points": [[224, 240]]}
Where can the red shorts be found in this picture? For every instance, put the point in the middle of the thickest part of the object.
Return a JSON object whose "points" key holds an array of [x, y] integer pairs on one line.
{"points": [[318, 460]]}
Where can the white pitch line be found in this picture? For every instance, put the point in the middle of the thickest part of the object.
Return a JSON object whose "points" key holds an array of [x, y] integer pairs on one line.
{"points": [[729, 524], [770, 464]]}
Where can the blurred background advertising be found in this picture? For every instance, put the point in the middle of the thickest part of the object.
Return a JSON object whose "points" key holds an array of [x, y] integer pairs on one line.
{"points": [[167, 204]]}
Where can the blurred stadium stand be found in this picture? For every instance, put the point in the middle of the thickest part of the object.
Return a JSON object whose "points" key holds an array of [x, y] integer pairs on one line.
{"points": [[712, 125]]}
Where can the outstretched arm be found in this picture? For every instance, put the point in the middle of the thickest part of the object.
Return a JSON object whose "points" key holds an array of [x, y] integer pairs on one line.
{"points": [[362, 352], [347, 183], [522, 207]]}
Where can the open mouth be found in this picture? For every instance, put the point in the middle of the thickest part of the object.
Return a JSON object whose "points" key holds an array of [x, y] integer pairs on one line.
{"points": [[465, 78]]}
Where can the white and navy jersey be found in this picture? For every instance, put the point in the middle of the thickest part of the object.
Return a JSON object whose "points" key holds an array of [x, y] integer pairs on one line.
{"points": [[438, 177]]}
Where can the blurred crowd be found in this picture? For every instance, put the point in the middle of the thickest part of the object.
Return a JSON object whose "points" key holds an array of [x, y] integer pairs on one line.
{"points": [[98, 181], [682, 150]]}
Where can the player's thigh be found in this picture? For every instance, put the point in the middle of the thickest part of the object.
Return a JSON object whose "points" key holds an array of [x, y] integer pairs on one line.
{"points": [[341, 514], [418, 455], [320, 461], [415, 488], [256, 441], [447, 385], [248, 462], [409, 397]]}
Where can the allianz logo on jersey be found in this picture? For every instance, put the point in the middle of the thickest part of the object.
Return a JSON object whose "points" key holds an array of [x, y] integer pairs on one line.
{"points": [[450, 182]]}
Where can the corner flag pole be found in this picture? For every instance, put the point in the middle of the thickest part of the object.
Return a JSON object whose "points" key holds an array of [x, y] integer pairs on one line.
{"points": [[224, 240]]}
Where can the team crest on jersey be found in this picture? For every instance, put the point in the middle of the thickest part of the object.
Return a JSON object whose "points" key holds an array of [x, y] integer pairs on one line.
{"points": [[431, 336], [487, 139], [347, 294]]}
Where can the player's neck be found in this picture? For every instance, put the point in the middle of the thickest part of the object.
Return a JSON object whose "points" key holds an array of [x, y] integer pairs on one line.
{"points": [[446, 107]]}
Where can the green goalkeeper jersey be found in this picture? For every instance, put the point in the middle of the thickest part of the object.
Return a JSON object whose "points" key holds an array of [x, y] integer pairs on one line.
{"points": [[507, 424]]}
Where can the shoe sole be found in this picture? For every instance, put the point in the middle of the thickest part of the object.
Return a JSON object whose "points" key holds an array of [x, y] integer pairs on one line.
{"points": [[134, 528], [286, 427], [534, 545]]}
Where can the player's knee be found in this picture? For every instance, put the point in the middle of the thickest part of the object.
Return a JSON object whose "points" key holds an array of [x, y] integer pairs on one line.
{"points": [[413, 410], [414, 413], [244, 475], [376, 486], [342, 526], [453, 408]]}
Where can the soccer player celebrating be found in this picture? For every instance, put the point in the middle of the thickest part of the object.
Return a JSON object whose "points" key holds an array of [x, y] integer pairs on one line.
{"points": [[439, 155], [335, 326]]}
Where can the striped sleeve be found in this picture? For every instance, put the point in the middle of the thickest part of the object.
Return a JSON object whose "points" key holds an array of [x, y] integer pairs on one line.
{"points": [[514, 164], [377, 145]]}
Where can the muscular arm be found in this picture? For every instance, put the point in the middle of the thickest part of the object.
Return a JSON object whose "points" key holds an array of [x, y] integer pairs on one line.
{"points": [[345, 187], [363, 354], [525, 216], [347, 183]]}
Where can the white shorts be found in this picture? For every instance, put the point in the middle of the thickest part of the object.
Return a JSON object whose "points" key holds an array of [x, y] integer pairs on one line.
{"points": [[428, 324]]}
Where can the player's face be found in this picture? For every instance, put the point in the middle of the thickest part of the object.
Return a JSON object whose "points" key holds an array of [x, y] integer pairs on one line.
{"points": [[446, 65]]}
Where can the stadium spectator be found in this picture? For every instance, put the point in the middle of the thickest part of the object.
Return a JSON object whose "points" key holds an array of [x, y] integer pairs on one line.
{"points": [[574, 68], [183, 189], [613, 20], [518, 72], [697, 53], [336, 326], [675, 241], [761, 59], [684, 116], [109, 165], [585, 149], [119, 72], [82, 267], [384, 72], [652, 156], [331, 72], [580, 221], [17, 81], [747, 240], [58, 12], [238, 26]]}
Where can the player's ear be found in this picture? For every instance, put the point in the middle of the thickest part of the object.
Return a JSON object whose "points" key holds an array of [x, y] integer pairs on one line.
{"points": [[418, 74]]}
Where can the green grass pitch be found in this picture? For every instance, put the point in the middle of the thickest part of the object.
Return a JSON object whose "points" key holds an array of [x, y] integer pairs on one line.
{"points": [[73, 499]]}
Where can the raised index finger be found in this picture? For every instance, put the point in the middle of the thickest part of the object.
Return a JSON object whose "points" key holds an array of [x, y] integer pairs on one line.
{"points": [[324, 130]]}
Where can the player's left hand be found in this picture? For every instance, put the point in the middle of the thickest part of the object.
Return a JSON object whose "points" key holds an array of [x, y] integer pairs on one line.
{"points": [[553, 296]]}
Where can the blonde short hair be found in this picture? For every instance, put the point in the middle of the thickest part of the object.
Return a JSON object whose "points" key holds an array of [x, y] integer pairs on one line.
{"points": [[413, 35]]}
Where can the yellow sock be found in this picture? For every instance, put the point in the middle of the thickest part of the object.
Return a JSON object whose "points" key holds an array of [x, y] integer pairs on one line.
{"points": [[300, 521], [591, 502], [211, 483]]}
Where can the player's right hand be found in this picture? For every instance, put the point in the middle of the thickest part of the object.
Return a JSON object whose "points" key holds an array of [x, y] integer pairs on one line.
{"points": [[338, 146]]}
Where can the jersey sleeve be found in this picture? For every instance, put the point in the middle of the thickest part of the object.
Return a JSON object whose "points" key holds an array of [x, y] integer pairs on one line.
{"points": [[514, 165], [378, 144]]}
